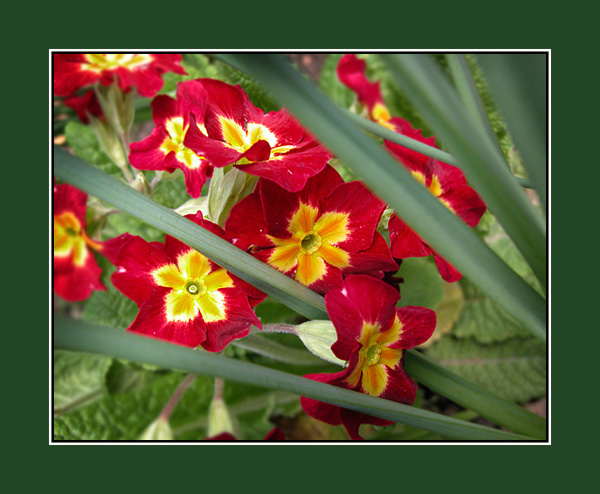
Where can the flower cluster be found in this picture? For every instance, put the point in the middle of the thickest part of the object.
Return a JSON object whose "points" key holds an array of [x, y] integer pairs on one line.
{"points": [[446, 182], [301, 218], [214, 124]]}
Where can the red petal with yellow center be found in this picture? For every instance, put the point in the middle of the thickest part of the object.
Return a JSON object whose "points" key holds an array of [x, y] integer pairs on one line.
{"points": [[79, 282], [136, 261], [412, 327], [351, 72], [350, 308], [375, 261], [164, 150], [333, 415], [465, 203], [234, 127], [73, 71]]}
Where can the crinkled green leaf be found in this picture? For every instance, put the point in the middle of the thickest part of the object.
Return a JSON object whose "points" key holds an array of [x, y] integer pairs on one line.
{"points": [[82, 140], [110, 307], [514, 369], [483, 319], [78, 379], [125, 416]]}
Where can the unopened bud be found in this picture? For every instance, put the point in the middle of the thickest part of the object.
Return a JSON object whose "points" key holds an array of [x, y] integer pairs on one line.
{"points": [[318, 336], [141, 184], [159, 430]]}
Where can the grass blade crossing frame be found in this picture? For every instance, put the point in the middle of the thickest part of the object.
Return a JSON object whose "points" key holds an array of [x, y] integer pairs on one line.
{"points": [[261, 275], [447, 234], [84, 337]]}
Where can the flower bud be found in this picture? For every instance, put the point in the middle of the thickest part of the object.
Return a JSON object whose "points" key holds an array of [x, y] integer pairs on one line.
{"points": [[141, 184], [159, 430], [220, 419], [318, 336]]}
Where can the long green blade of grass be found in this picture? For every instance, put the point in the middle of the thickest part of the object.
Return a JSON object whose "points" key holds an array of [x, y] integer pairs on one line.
{"points": [[461, 391], [84, 337], [433, 95], [420, 147], [447, 234], [106, 188], [518, 82], [467, 90], [492, 407]]}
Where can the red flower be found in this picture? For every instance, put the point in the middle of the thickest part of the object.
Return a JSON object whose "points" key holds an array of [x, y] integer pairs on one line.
{"points": [[73, 71], [447, 183], [85, 105], [76, 273], [273, 146], [183, 296], [351, 72], [275, 434], [164, 148], [372, 336], [317, 235]]}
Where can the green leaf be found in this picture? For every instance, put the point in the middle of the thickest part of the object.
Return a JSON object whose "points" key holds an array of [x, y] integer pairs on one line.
{"points": [[482, 319], [78, 379], [171, 193], [125, 416], [110, 308], [514, 369], [82, 140], [422, 285]]}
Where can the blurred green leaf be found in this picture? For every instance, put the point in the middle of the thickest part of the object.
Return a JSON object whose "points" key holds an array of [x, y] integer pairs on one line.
{"points": [[78, 379], [422, 286], [514, 369], [82, 140]]}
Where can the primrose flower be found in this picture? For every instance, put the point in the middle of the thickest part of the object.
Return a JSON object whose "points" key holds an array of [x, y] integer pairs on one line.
{"points": [[183, 296], [316, 236], [76, 273], [273, 145], [372, 337], [73, 71], [164, 149], [447, 183], [351, 72]]}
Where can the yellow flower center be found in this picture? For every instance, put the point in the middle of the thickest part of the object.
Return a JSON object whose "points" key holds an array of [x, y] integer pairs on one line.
{"points": [[98, 62], [434, 187], [241, 139], [375, 356], [70, 240], [312, 244], [195, 289], [174, 143]]}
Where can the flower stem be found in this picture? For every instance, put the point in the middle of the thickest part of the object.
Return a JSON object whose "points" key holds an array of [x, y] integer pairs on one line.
{"points": [[172, 403]]}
